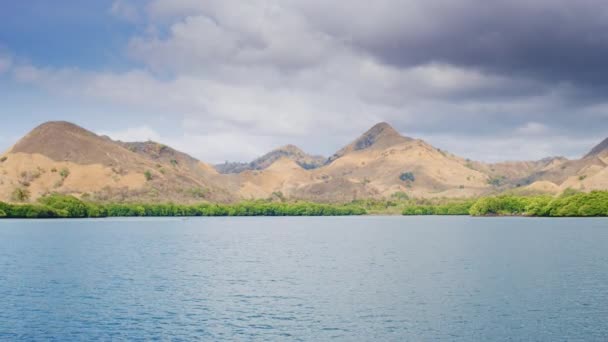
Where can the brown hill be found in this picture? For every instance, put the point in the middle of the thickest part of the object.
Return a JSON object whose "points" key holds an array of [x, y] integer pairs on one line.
{"points": [[65, 158], [587, 173], [64, 141], [380, 136], [378, 164]]}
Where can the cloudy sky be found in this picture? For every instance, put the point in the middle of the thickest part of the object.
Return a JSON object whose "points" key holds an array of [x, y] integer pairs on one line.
{"points": [[232, 79]]}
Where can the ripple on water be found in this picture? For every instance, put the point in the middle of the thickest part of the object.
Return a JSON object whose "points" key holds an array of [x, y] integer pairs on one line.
{"points": [[304, 279]]}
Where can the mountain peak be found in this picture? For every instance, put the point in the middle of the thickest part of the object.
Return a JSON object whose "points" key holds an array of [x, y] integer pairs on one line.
{"points": [[293, 149], [65, 141], [57, 127], [380, 131], [599, 149], [382, 126], [381, 135]]}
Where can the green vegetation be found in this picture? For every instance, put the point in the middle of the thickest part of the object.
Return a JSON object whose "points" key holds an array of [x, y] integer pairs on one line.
{"points": [[570, 203], [496, 181], [64, 173], [407, 176], [594, 203], [148, 175], [451, 208], [401, 204], [61, 206], [20, 195]]}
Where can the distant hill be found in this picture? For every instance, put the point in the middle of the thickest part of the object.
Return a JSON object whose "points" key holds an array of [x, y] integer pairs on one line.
{"points": [[381, 163], [292, 152], [600, 150]]}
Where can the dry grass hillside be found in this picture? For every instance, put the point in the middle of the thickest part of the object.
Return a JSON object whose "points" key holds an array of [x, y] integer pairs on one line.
{"points": [[379, 164], [62, 157]]}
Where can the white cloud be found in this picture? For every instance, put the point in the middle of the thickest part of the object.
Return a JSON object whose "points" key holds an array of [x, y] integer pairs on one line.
{"points": [[238, 77], [512, 148], [220, 33], [220, 147], [131, 134], [310, 105]]}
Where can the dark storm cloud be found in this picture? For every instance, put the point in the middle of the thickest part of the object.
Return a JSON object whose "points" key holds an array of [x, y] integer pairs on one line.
{"points": [[556, 40]]}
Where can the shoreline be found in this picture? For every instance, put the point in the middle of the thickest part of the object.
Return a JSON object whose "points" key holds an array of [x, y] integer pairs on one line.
{"points": [[593, 204]]}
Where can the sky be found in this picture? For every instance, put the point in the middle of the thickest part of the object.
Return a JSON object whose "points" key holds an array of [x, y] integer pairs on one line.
{"points": [[232, 79]]}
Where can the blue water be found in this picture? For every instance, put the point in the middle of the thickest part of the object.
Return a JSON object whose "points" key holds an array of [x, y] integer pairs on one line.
{"points": [[305, 279]]}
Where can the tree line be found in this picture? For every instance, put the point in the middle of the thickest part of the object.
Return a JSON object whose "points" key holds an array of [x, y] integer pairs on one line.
{"points": [[594, 203], [63, 206], [569, 204]]}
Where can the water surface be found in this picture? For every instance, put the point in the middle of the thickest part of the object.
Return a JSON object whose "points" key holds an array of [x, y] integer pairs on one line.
{"points": [[304, 278]]}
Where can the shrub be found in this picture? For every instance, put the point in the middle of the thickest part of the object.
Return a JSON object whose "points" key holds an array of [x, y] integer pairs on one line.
{"points": [[454, 208], [148, 175], [3, 159], [20, 195], [501, 205], [495, 181], [72, 206], [64, 173], [407, 176]]}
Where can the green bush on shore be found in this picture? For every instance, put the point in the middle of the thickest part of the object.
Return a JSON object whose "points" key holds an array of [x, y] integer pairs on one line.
{"points": [[452, 208], [569, 204], [61, 206], [594, 203]]}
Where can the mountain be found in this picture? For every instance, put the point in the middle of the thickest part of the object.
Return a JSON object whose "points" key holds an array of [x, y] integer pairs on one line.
{"points": [[378, 164], [65, 158], [380, 136], [292, 152], [585, 174], [65, 142], [598, 150], [381, 163]]}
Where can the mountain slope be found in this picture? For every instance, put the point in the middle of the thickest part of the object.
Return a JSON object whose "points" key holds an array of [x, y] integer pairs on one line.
{"points": [[64, 141], [377, 165], [380, 136], [587, 173], [65, 158], [599, 150]]}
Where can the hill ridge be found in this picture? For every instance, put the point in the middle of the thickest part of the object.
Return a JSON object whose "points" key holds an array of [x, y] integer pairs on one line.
{"points": [[380, 135]]}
